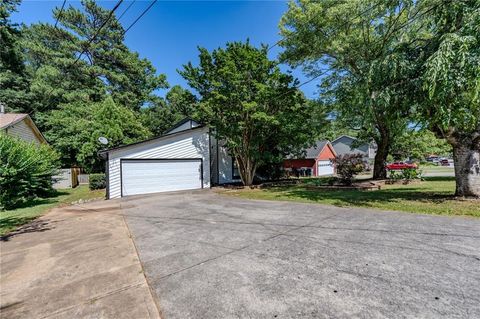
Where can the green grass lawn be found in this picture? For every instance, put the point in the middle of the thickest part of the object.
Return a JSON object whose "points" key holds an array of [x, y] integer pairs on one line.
{"points": [[11, 219], [432, 196], [436, 169]]}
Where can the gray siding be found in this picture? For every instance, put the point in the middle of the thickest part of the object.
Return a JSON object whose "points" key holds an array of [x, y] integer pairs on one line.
{"points": [[343, 145], [221, 164], [23, 131], [185, 126], [191, 144]]}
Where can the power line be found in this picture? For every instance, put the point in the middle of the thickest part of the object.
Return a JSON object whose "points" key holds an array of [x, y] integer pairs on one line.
{"points": [[92, 38], [98, 30], [324, 72], [60, 13], [416, 16], [139, 17], [124, 11], [306, 82], [344, 24]]}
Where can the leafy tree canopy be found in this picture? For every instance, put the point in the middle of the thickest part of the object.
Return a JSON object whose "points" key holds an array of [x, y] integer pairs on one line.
{"points": [[163, 113], [73, 77], [13, 79], [450, 73], [76, 59], [417, 144], [350, 45], [75, 127], [251, 105]]}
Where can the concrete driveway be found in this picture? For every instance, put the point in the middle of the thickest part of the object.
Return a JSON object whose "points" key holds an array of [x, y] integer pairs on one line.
{"points": [[211, 256]]}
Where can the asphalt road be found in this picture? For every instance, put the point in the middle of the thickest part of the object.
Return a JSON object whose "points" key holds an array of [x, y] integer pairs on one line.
{"points": [[210, 256]]}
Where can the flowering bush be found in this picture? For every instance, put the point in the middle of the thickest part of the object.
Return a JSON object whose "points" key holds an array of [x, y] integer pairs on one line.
{"points": [[348, 166]]}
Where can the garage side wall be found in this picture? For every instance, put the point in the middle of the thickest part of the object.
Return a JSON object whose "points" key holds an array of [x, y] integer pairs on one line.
{"points": [[222, 163], [191, 144]]}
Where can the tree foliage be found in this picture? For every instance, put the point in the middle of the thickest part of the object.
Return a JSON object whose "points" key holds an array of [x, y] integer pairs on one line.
{"points": [[251, 105], [26, 170], [177, 104], [391, 63], [73, 78], [352, 44], [75, 127], [13, 78], [452, 68], [450, 74], [417, 144], [65, 63]]}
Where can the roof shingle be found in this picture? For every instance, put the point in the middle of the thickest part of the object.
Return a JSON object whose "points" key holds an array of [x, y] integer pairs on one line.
{"points": [[8, 119]]}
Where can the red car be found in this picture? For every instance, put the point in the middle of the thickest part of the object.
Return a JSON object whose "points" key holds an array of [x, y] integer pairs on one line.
{"points": [[400, 165]]}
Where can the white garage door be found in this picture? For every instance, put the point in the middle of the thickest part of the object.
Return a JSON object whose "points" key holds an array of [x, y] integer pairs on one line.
{"points": [[154, 176], [324, 168]]}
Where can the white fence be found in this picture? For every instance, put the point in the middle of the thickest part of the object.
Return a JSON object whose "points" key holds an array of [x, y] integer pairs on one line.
{"points": [[67, 178]]}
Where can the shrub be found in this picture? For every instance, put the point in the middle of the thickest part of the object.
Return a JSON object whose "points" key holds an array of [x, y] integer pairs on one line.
{"points": [[394, 175], [322, 181], [406, 175], [97, 181], [348, 166], [26, 171], [411, 174]]}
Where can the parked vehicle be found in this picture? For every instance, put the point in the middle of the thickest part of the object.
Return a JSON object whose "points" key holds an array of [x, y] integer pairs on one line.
{"points": [[400, 165], [446, 162], [433, 159]]}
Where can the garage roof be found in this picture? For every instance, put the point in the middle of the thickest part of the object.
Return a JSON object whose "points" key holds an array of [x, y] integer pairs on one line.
{"points": [[160, 137]]}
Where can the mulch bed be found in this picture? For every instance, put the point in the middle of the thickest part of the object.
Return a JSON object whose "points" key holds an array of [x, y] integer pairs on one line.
{"points": [[284, 182], [358, 187], [400, 181]]}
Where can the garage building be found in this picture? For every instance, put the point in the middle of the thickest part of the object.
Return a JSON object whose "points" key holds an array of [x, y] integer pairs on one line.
{"points": [[186, 157], [318, 161]]}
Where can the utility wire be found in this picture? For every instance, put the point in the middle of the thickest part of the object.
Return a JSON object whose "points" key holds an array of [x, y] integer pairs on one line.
{"points": [[306, 82], [326, 71], [124, 11], [139, 17], [416, 16], [344, 24], [92, 38], [98, 30], [60, 13]]}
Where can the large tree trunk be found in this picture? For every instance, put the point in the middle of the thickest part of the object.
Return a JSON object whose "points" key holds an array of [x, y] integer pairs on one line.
{"points": [[379, 170], [466, 157]]}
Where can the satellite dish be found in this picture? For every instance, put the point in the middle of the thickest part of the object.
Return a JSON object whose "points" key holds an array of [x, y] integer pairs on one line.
{"points": [[103, 140]]}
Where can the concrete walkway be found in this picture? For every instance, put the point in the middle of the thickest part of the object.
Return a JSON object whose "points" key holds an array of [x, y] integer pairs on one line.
{"points": [[75, 262]]}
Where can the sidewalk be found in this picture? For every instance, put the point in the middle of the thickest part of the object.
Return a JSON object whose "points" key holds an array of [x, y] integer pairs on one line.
{"points": [[75, 262]]}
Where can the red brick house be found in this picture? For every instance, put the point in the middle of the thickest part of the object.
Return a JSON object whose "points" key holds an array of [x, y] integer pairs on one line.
{"points": [[318, 161]]}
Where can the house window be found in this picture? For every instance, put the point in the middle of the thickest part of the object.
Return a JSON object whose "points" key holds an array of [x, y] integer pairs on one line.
{"points": [[235, 171]]}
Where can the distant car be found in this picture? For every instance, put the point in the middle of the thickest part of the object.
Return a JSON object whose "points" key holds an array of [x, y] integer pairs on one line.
{"points": [[399, 166], [446, 162], [433, 159]]}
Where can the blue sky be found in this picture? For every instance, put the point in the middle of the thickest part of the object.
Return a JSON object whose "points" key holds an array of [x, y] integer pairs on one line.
{"points": [[168, 35]]}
